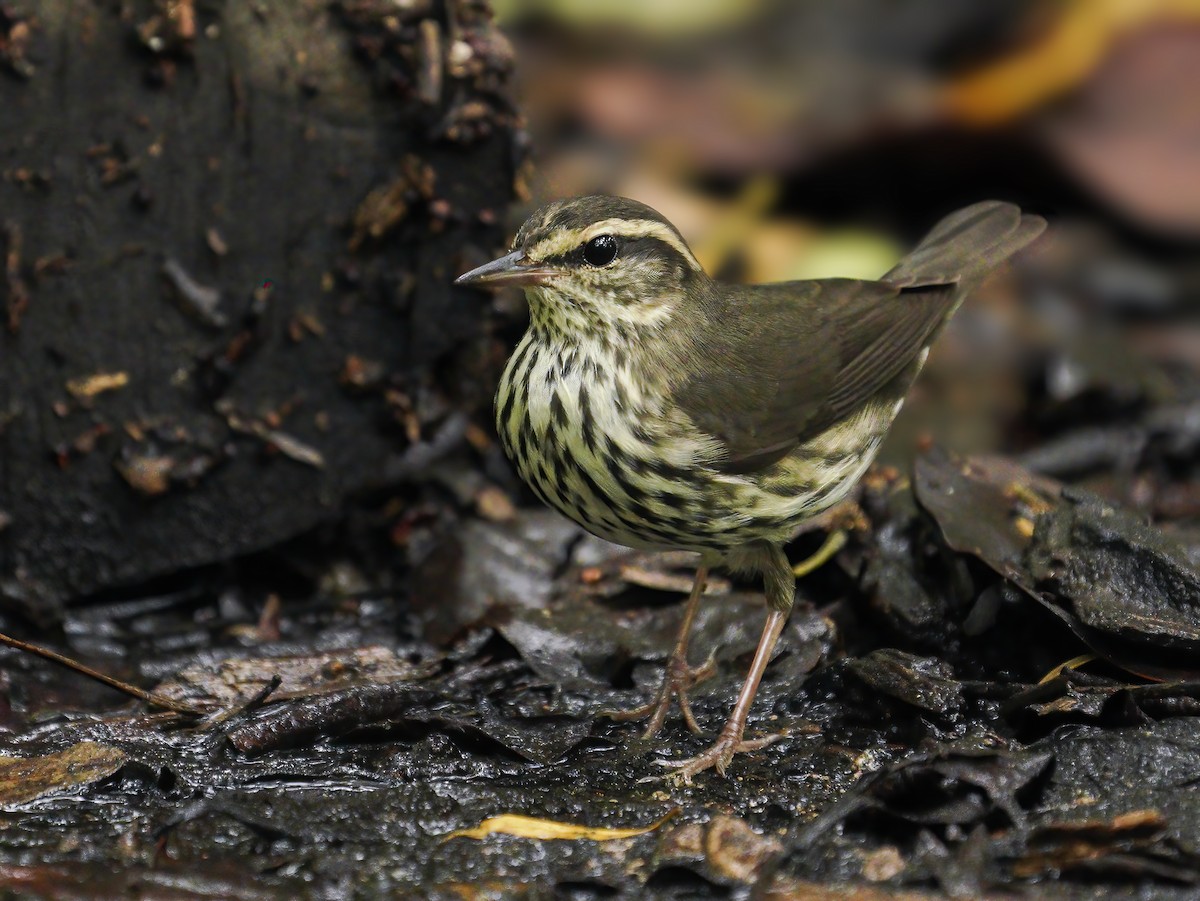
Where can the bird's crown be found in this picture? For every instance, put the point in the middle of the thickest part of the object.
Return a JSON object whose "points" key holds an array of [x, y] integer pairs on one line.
{"points": [[597, 231], [605, 257]]}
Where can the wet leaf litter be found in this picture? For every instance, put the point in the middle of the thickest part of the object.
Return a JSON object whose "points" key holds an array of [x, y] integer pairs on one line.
{"points": [[948, 762]]}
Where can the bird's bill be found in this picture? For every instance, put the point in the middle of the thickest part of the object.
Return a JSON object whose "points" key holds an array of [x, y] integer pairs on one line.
{"points": [[512, 269]]}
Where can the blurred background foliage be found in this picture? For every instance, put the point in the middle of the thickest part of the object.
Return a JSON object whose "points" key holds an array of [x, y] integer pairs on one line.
{"points": [[821, 138], [1095, 94]]}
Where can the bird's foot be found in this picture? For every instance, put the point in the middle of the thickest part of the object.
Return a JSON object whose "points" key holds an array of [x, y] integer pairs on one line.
{"points": [[677, 680], [718, 756]]}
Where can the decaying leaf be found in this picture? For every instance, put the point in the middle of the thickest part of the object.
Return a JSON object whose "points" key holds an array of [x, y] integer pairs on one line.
{"points": [[25, 779], [735, 850], [1092, 844], [90, 386], [229, 681], [924, 682], [1120, 575], [551, 830], [1126, 589]]}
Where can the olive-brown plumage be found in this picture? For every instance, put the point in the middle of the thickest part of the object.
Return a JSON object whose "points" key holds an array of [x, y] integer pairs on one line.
{"points": [[659, 408]]}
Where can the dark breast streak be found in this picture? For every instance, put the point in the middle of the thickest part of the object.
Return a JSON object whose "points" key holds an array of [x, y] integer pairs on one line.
{"points": [[548, 422], [604, 461]]}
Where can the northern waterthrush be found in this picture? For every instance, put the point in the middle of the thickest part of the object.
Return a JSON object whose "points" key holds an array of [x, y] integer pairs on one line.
{"points": [[659, 408]]}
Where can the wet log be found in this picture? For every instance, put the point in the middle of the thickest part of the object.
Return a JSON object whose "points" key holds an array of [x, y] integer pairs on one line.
{"points": [[228, 232]]}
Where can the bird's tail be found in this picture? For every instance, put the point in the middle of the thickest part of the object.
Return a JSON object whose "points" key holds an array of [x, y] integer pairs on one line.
{"points": [[965, 246]]}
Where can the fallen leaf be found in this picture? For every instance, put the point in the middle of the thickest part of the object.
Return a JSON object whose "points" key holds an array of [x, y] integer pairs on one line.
{"points": [[1063, 57], [1075, 846], [882, 864], [1072, 664], [551, 830], [25, 779], [91, 385], [735, 850], [1131, 134], [230, 681], [494, 505]]}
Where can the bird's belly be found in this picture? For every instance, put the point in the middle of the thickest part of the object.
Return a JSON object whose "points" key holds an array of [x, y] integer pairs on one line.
{"points": [[817, 475], [611, 460]]}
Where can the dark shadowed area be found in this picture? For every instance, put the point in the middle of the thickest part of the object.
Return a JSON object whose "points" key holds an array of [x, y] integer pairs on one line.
{"points": [[247, 459]]}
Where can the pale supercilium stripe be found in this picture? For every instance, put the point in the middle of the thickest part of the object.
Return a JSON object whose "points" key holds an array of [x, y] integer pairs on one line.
{"points": [[567, 240]]}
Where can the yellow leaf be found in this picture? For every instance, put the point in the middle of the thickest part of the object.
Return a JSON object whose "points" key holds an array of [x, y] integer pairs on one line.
{"points": [[834, 254], [1066, 55], [92, 385], [550, 830], [1073, 663], [666, 18]]}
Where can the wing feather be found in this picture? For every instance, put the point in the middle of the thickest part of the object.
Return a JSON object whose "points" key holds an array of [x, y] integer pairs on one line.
{"points": [[779, 364], [816, 352]]}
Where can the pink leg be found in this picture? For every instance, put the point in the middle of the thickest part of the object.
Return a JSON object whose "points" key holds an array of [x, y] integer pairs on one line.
{"points": [[679, 676], [730, 742]]}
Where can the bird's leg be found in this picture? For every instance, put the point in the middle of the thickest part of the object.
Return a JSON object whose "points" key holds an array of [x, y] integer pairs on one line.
{"points": [[679, 676], [781, 591]]}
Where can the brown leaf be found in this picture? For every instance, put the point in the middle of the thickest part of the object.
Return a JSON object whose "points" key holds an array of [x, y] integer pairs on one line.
{"points": [[1060, 58], [1068, 846], [25, 779], [735, 850], [230, 681], [1131, 134], [882, 864], [1126, 589]]}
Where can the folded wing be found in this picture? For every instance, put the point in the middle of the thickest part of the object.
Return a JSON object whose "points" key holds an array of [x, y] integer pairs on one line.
{"points": [[785, 362]]}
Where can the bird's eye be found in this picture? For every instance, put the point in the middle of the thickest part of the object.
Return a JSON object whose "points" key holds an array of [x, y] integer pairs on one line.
{"points": [[600, 251]]}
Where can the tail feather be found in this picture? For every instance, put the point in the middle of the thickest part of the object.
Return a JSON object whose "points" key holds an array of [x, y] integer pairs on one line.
{"points": [[965, 246]]}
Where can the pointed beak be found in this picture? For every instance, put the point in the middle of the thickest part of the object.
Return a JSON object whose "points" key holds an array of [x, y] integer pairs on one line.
{"points": [[512, 269]]}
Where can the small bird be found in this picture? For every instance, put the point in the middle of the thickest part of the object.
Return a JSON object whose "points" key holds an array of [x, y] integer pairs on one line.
{"points": [[662, 409]]}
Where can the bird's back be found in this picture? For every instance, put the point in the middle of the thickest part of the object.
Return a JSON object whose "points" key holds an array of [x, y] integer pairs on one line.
{"points": [[781, 364], [803, 379]]}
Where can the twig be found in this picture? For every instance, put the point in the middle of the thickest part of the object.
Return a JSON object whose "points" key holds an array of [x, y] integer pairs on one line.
{"points": [[18, 293], [235, 712], [155, 700]]}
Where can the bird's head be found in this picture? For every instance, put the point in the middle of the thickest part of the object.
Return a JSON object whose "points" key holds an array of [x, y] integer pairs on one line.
{"points": [[596, 261]]}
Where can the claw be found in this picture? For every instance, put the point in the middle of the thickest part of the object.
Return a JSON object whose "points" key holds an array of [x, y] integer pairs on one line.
{"points": [[707, 669], [679, 677], [730, 741], [718, 757], [677, 680]]}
